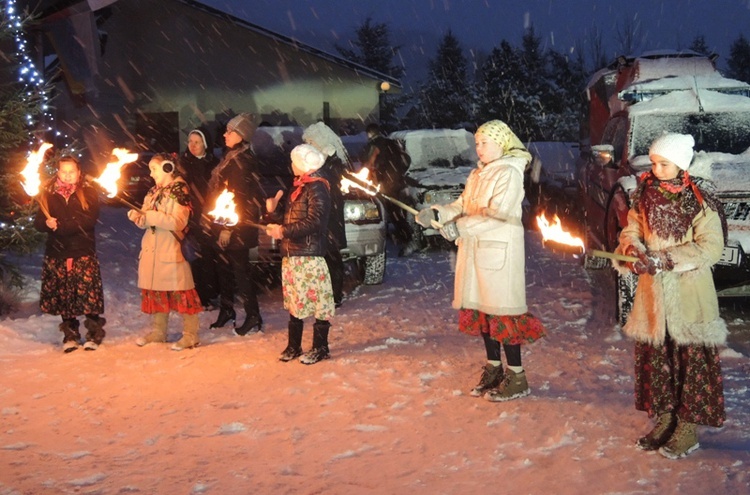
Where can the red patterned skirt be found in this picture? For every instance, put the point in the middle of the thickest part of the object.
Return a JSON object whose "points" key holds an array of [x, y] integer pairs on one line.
{"points": [[511, 330], [163, 301], [71, 287]]}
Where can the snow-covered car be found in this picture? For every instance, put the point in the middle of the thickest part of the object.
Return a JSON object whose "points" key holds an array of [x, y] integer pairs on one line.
{"points": [[631, 104], [363, 214]]}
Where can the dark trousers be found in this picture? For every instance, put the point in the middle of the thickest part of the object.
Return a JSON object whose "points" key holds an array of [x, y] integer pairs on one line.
{"points": [[205, 274], [237, 276], [336, 268]]}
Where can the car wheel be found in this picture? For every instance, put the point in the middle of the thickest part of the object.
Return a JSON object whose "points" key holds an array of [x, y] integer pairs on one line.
{"points": [[625, 286], [374, 269]]}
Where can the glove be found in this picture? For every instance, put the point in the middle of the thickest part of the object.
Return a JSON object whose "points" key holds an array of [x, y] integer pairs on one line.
{"points": [[450, 231], [426, 216], [653, 263]]}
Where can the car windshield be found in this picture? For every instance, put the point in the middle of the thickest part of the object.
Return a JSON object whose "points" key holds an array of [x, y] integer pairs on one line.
{"points": [[725, 132]]}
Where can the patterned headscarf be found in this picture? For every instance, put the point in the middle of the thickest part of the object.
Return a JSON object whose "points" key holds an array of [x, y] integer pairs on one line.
{"points": [[499, 132]]}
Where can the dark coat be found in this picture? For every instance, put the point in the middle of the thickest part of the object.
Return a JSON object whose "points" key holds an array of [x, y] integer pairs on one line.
{"points": [[306, 221], [332, 170], [74, 236], [238, 172]]}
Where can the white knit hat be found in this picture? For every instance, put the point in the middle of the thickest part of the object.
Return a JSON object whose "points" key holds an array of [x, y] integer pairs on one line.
{"points": [[307, 159], [677, 148]]}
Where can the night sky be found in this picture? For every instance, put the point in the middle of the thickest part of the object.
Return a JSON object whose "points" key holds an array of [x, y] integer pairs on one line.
{"points": [[480, 25]]}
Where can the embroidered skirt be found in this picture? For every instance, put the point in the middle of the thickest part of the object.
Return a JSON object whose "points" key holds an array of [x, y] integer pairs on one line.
{"points": [[684, 379], [163, 301], [511, 330], [306, 285], [71, 287]]}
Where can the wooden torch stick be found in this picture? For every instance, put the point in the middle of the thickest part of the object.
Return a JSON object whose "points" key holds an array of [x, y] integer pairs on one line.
{"points": [[613, 256]]}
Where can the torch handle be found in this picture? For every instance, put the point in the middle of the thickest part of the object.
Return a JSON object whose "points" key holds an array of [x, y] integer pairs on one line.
{"points": [[613, 256], [435, 224], [43, 207]]}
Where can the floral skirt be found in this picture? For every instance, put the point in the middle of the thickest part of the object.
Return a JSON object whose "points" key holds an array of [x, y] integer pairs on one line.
{"points": [[163, 301], [306, 285], [71, 287], [510, 330], [684, 379]]}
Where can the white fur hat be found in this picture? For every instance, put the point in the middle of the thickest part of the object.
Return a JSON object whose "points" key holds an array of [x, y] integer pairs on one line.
{"points": [[677, 148], [307, 159]]}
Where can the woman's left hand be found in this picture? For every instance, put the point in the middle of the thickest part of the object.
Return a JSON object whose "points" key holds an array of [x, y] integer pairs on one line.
{"points": [[52, 223], [224, 237]]}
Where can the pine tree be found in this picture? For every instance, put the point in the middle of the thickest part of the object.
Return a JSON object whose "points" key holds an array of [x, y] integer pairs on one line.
{"points": [[699, 45], [739, 60], [446, 99], [18, 104]]}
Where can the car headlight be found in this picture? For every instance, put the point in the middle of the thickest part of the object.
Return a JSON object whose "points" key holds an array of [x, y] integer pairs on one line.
{"points": [[361, 211]]}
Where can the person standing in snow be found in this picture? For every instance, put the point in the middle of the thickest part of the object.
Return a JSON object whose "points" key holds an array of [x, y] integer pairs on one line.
{"points": [[329, 143], [71, 278], [238, 173], [163, 273], [196, 163], [490, 283], [676, 230], [306, 283]]}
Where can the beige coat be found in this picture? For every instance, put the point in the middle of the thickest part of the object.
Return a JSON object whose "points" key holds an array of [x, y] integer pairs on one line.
{"points": [[683, 300], [491, 261], [161, 265]]}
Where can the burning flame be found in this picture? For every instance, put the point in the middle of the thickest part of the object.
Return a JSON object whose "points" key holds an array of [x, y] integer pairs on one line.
{"points": [[554, 232], [224, 213], [30, 173], [362, 175], [108, 179]]}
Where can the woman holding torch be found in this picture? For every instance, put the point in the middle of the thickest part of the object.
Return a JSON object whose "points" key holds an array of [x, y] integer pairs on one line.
{"points": [[490, 283], [71, 279], [677, 231]]}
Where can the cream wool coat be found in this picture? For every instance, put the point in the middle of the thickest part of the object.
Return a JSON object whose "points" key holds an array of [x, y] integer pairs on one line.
{"points": [[161, 265], [490, 263], [682, 300]]}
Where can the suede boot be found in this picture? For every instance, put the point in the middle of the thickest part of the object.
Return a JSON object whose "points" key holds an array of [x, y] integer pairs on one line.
{"points": [[71, 336], [683, 441], [159, 331], [658, 436], [95, 334], [189, 333], [294, 346], [513, 386], [319, 349]]}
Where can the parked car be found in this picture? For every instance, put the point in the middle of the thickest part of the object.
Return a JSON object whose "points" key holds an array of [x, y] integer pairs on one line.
{"points": [[363, 214], [630, 104]]}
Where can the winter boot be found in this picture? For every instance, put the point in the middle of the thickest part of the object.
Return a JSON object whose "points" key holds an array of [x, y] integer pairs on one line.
{"points": [[491, 377], [253, 324], [189, 333], [294, 347], [319, 349], [159, 332], [71, 337], [683, 441], [658, 436], [225, 316], [513, 386], [95, 334]]}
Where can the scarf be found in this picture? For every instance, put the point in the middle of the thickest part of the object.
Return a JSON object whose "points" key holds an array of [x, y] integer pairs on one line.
{"points": [[65, 190], [299, 183]]}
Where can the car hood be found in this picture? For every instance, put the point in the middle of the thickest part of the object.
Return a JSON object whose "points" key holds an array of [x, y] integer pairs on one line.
{"points": [[441, 178]]}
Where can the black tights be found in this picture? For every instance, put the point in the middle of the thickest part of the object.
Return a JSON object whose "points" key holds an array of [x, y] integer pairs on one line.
{"points": [[512, 351]]}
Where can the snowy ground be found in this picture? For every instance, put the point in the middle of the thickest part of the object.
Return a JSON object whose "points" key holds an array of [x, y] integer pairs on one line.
{"points": [[388, 414]]}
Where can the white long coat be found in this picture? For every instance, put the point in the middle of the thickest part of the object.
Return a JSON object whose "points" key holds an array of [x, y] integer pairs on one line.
{"points": [[490, 263], [161, 265]]}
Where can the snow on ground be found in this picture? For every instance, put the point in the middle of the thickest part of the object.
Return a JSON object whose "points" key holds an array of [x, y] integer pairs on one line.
{"points": [[389, 413]]}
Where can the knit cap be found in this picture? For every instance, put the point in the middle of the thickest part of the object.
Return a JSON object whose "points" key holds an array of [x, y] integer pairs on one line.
{"points": [[243, 124], [677, 148], [306, 159]]}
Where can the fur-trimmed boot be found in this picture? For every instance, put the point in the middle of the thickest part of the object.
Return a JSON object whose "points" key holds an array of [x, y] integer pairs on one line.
{"points": [[95, 335], [319, 349], [158, 332], [189, 333], [71, 336], [658, 436], [294, 346]]}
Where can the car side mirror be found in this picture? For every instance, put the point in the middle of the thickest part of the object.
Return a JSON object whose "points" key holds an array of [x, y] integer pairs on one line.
{"points": [[604, 155]]}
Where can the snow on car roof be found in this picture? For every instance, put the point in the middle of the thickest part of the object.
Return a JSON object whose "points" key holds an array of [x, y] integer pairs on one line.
{"points": [[688, 102]]}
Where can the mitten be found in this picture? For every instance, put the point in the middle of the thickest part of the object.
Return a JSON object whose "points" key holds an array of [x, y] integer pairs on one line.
{"points": [[661, 261], [426, 216], [450, 231]]}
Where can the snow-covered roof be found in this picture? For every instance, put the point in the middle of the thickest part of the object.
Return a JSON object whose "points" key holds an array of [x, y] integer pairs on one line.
{"points": [[688, 101], [647, 89]]}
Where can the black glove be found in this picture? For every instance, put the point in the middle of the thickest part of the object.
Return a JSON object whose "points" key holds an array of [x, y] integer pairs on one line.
{"points": [[425, 217], [450, 231]]}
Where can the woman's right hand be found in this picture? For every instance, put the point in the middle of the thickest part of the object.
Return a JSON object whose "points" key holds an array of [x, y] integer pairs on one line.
{"points": [[224, 237], [52, 223]]}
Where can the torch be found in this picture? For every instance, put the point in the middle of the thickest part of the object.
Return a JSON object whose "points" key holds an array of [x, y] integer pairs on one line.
{"points": [[360, 181], [225, 212], [30, 174], [111, 174], [554, 234]]}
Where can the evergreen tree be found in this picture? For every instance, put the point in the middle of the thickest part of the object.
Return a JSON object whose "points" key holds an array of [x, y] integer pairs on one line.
{"points": [[699, 45], [739, 60], [446, 99]]}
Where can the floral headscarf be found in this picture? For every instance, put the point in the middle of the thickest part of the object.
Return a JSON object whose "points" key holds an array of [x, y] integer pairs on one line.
{"points": [[499, 132]]}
